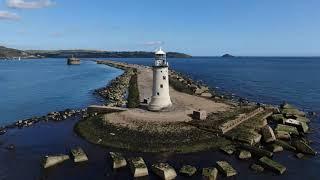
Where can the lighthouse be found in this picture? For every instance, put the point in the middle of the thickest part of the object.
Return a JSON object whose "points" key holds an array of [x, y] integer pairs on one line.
{"points": [[160, 91]]}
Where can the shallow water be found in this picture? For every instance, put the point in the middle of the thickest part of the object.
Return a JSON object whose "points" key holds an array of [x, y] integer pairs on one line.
{"points": [[35, 87], [266, 80]]}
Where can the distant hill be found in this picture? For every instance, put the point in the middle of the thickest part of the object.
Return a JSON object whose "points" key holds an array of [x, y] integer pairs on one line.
{"points": [[10, 53], [101, 54], [14, 53]]}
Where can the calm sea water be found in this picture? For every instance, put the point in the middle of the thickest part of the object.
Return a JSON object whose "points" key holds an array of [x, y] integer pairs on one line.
{"points": [[268, 80], [35, 87]]}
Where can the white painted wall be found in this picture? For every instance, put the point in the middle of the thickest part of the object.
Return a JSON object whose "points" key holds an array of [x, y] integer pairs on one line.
{"points": [[160, 91]]}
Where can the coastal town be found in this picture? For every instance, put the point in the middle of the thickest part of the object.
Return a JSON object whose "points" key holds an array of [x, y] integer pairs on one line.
{"points": [[155, 109]]}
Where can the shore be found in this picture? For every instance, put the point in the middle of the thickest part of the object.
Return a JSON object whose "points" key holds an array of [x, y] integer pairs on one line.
{"points": [[96, 152]]}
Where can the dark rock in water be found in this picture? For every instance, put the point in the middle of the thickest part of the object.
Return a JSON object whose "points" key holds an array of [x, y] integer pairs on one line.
{"points": [[285, 145], [303, 147], [2, 131], [188, 170], [299, 155], [257, 168], [226, 168], [11, 147], [243, 154], [210, 173], [227, 56], [273, 165]]}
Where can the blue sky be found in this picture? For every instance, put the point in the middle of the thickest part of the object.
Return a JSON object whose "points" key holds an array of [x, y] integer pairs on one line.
{"points": [[202, 27]]}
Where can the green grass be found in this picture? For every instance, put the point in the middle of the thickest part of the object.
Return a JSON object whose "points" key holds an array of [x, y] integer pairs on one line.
{"points": [[133, 97]]}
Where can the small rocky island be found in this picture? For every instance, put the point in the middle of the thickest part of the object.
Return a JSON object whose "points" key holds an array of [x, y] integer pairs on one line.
{"points": [[227, 56], [198, 120]]}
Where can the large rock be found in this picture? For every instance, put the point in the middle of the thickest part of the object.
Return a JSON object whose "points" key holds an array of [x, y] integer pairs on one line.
{"points": [[188, 170], [292, 112], [257, 151], [138, 167], [50, 161], [276, 148], [273, 165], [164, 171], [279, 118], [118, 160], [209, 173], [229, 149], [257, 168], [226, 168], [268, 134], [290, 129], [301, 126], [282, 135], [79, 155], [285, 145], [243, 154], [303, 147]]}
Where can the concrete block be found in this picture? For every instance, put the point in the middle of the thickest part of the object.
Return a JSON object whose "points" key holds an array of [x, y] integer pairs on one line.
{"points": [[164, 171]]}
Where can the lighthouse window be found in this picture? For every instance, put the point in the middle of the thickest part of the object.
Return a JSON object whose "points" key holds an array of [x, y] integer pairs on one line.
{"points": [[158, 93], [161, 85], [164, 77]]}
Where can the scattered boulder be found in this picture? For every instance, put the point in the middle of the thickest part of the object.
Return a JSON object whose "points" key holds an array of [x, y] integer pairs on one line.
{"points": [[49, 161], [303, 147], [210, 173], [268, 134], [188, 170], [275, 148], [243, 154], [118, 160], [11, 147], [279, 118], [273, 165], [299, 155], [257, 168], [3, 131], [164, 171], [290, 129], [285, 145], [283, 135], [302, 119], [230, 149], [138, 167], [256, 150], [79, 155], [206, 94], [226, 168], [301, 126]]}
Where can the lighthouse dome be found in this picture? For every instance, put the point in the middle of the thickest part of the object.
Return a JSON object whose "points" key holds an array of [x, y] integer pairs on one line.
{"points": [[160, 52]]}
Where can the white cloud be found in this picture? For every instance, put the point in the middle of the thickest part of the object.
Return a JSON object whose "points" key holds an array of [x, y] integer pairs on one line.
{"points": [[153, 43], [23, 4], [5, 15]]}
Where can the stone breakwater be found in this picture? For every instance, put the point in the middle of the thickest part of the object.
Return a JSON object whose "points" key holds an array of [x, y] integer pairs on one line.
{"points": [[116, 91], [51, 116]]}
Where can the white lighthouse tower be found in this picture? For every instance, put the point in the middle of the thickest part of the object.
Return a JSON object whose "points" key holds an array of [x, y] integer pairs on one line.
{"points": [[160, 91]]}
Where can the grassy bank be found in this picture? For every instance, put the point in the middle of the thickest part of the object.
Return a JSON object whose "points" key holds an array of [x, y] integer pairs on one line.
{"points": [[180, 138]]}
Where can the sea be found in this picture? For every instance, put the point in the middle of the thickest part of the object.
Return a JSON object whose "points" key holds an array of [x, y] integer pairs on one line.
{"points": [[36, 87]]}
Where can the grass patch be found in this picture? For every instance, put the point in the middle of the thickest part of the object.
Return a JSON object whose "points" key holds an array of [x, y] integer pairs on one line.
{"points": [[133, 96], [96, 131]]}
